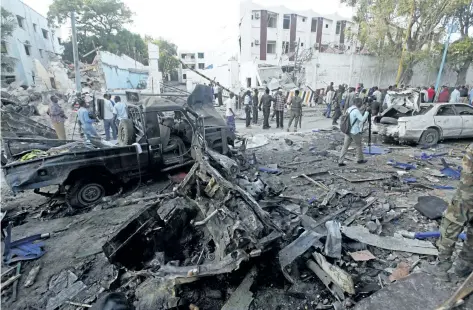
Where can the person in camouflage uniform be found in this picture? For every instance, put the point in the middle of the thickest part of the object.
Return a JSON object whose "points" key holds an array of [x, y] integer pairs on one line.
{"points": [[458, 214]]}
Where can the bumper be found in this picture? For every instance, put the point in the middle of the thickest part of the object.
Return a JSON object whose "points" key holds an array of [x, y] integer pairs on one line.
{"points": [[399, 132]]}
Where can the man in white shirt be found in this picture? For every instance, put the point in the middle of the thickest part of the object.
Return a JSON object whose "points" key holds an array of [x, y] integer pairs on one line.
{"points": [[377, 94], [109, 114], [120, 107], [455, 96], [230, 112], [328, 101]]}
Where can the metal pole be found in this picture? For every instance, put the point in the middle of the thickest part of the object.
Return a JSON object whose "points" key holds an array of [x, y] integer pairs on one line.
{"points": [[75, 52], [447, 43]]}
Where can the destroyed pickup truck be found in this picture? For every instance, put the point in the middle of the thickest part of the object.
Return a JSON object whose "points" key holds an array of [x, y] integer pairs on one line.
{"points": [[162, 133]]}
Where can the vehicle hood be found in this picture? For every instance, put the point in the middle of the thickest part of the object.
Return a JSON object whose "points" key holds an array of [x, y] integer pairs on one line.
{"points": [[201, 101]]}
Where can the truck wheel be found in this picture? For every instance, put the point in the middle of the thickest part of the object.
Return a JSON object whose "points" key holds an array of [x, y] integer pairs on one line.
{"points": [[126, 132], [429, 137], [84, 193]]}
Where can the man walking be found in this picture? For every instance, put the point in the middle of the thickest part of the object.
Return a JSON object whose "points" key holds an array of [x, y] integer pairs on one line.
{"points": [[296, 111], [266, 103], [109, 114], [255, 107], [356, 119], [56, 113], [230, 112], [247, 103], [458, 215], [279, 108]]}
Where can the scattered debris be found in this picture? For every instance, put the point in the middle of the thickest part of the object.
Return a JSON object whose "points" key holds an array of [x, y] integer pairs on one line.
{"points": [[369, 203], [401, 271], [339, 276], [242, 297], [362, 256], [333, 243], [32, 276], [431, 206], [464, 290]]}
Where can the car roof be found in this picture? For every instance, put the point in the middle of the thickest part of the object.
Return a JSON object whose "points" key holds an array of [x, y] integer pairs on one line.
{"points": [[158, 104]]}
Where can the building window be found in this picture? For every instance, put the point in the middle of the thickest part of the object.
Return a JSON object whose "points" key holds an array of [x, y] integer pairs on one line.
{"points": [[41, 53], [45, 33], [285, 47], [200, 55], [271, 47], [21, 21], [338, 27], [302, 44], [201, 66], [4, 47], [183, 56], [27, 50], [192, 66], [326, 25], [272, 20], [251, 44], [35, 28], [303, 19], [184, 76], [313, 27], [59, 40], [286, 22], [192, 56]]}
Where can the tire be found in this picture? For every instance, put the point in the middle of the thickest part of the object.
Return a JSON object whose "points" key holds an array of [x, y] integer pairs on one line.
{"points": [[126, 132], [389, 121], [429, 137], [84, 193]]}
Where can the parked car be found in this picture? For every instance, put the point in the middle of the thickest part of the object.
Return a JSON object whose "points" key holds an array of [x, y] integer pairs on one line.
{"points": [[428, 125]]}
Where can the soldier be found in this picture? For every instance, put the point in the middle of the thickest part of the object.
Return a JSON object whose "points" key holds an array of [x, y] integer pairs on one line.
{"points": [[458, 214]]}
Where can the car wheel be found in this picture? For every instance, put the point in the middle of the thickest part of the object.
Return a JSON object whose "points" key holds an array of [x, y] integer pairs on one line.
{"points": [[84, 193], [429, 137]]}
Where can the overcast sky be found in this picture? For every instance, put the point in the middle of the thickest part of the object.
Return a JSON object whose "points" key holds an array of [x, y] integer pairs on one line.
{"points": [[208, 25]]}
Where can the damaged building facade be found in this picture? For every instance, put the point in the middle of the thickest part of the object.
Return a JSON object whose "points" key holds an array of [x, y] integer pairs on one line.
{"points": [[32, 39]]}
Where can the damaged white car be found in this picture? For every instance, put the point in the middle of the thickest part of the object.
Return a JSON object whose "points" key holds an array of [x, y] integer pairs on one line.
{"points": [[425, 124]]}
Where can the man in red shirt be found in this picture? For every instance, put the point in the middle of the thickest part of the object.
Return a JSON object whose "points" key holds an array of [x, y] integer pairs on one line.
{"points": [[444, 95], [431, 94]]}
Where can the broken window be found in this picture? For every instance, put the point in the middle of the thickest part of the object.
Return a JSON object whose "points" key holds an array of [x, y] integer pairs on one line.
{"points": [[271, 47], [272, 20], [27, 50], [201, 66], [21, 21], [313, 26], [285, 47], [446, 111], [4, 48], [463, 109], [326, 25], [338, 27], [286, 22], [35, 28], [45, 33], [200, 55], [184, 76]]}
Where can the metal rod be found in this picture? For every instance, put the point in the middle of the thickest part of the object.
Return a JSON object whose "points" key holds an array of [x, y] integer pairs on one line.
{"points": [[75, 52]]}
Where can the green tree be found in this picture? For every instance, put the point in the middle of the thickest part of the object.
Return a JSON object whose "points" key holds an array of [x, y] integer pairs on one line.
{"points": [[167, 55], [8, 24], [407, 28]]}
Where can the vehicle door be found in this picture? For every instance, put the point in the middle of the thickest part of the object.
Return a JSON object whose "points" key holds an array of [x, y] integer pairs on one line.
{"points": [[447, 119], [466, 113], [154, 140]]}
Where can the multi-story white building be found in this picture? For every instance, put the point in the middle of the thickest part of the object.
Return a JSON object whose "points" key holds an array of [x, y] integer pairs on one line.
{"points": [[194, 60], [272, 35], [32, 39]]}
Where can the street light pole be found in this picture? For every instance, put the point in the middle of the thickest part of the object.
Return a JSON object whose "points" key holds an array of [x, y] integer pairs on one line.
{"points": [[445, 50], [75, 52]]}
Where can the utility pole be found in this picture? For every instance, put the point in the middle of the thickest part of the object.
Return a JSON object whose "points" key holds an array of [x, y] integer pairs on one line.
{"points": [[445, 49], [75, 52]]}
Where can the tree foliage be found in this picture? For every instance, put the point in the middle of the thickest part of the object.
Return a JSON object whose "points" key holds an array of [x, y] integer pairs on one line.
{"points": [[405, 27], [167, 50]]}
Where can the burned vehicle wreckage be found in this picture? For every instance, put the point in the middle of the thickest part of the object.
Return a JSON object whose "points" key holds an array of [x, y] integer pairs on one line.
{"points": [[156, 138]]}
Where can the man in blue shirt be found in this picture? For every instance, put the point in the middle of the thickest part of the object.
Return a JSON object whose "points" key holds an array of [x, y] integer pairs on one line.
{"points": [[120, 107], [86, 122], [356, 121]]}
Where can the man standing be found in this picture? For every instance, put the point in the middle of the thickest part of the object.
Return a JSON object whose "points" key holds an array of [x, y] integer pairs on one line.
{"points": [[109, 114], [338, 104], [377, 94], [219, 94], [56, 113], [455, 96], [120, 107], [328, 100], [464, 94], [444, 95], [279, 108], [255, 107], [356, 119], [387, 99], [458, 214], [471, 96], [85, 121], [266, 103], [431, 94], [296, 110], [350, 98], [230, 112], [247, 103]]}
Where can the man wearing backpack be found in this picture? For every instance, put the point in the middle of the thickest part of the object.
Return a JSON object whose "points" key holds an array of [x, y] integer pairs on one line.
{"points": [[350, 125]]}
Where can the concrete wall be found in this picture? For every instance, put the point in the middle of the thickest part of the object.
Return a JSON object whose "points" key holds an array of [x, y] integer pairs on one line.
{"points": [[121, 72], [25, 69]]}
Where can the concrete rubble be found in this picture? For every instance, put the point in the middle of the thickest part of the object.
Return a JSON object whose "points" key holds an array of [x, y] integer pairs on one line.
{"points": [[302, 233]]}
